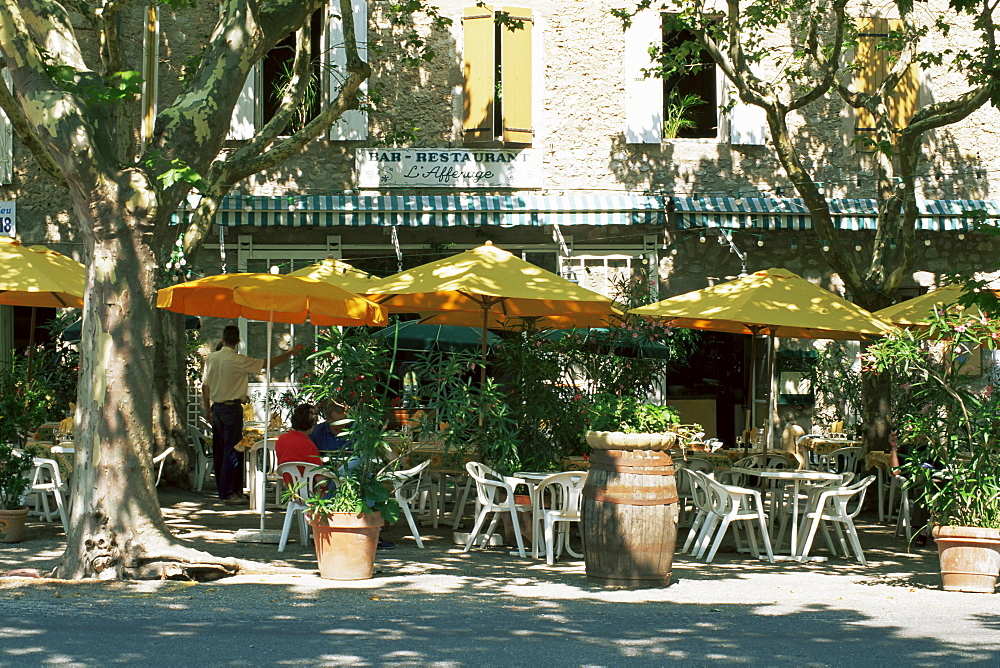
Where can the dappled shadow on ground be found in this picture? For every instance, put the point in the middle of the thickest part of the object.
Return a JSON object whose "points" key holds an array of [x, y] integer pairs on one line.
{"points": [[440, 605]]}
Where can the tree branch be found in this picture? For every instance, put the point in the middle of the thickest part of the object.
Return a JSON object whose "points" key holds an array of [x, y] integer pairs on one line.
{"points": [[25, 132]]}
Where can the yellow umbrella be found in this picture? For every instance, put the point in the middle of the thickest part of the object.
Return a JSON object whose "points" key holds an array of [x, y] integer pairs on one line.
{"points": [[515, 323], [339, 273], [40, 278], [774, 301], [492, 283], [271, 298], [37, 276], [915, 313]]}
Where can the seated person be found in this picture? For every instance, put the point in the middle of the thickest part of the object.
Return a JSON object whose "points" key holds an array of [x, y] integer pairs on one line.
{"points": [[327, 435], [294, 445]]}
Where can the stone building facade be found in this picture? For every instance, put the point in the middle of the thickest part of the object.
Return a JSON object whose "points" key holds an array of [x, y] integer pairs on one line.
{"points": [[579, 179]]}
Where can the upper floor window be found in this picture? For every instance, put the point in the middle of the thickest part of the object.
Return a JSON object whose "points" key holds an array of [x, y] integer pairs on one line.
{"points": [[691, 96], [264, 87], [496, 70], [684, 105]]}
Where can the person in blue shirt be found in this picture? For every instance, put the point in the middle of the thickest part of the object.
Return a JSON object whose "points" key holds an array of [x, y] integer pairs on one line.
{"points": [[327, 435]]}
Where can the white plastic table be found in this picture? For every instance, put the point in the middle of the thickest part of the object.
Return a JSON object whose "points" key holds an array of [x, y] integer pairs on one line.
{"points": [[796, 478]]}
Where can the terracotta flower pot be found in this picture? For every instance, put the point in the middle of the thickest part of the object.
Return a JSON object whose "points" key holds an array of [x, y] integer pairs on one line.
{"points": [[346, 544], [970, 558], [12, 524]]}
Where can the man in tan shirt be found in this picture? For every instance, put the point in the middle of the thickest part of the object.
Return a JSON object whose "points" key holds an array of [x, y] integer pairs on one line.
{"points": [[224, 389]]}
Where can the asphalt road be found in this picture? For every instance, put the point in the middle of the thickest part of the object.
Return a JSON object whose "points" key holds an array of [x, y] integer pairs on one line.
{"points": [[498, 622], [440, 606]]}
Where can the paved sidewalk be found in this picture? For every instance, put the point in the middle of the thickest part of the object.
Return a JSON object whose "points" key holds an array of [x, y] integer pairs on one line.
{"points": [[488, 607]]}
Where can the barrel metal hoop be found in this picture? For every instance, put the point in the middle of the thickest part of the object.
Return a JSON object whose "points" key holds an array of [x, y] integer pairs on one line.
{"points": [[640, 470], [628, 498]]}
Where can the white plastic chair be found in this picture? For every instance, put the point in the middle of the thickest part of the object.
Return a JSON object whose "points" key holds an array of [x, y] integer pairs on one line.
{"points": [[701, 497], [557, 499], [409, 486], [842, 460], [489, 499], [204, 462], [158, 462], [684, 487], [46, 481], [262, 465], [311, 477], [904, 516], [832, 506], [731, 504]]}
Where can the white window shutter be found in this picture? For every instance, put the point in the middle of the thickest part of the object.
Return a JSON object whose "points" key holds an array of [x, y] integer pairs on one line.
{"points": [[353, 125], [643, 96], [747, 125], [243, 125], [6, 140]]}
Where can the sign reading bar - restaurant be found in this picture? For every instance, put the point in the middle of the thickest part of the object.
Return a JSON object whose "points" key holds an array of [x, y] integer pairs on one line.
{"points": [[448, 168]]}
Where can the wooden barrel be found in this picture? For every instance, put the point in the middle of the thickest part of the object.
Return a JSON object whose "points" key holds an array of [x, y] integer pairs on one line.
{"points": [[629, 517]]}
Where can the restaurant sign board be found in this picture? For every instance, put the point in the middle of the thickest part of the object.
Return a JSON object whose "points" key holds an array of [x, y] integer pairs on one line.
{"points": [[8, 225], [449, 168]]}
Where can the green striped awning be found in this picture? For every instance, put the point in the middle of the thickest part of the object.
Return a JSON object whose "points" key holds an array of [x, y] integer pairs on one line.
{"points": [[440, 210], [768, 213]]}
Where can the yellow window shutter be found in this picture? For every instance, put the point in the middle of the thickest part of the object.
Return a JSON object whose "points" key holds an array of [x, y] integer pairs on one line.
{"points": [[874, 65], [515, 73], [904, 100], [478, 72]]}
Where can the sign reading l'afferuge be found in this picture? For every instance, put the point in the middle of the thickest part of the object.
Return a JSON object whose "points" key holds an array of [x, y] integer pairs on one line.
{"points": [[448, 168]]}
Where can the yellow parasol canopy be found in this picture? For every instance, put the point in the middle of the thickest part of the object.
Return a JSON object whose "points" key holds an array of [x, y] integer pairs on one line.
{"points": [[37, 276], [489, 281], [915, 313], [339, 273], [271, 298], [517, 323], [492, 284], [775, 301]]}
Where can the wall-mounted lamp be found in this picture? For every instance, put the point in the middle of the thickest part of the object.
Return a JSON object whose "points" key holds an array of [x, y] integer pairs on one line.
{"points": [[857, 247], [927, 242], [826, 245], [961, 236], [795, 244], [701, 237]]}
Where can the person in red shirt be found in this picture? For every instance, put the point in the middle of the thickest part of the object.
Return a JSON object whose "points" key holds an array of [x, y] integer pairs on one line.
{"points": [[295, 444]]}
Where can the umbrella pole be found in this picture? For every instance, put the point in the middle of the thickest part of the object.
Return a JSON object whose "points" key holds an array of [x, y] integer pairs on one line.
{"points": [[262, 486], [772, 399], [31, 340], [750, 400]]}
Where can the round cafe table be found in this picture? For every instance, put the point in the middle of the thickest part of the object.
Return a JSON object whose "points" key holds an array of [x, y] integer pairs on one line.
{"points": [[796, 478]]}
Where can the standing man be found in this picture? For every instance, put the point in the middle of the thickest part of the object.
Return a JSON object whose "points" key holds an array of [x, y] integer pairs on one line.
{"points": [[224, 388]]}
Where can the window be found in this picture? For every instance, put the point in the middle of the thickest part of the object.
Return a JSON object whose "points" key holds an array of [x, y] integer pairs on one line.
{"points": [[654, 107], [261, 95], [691, 98], [874, 62], [602, 273], [496, 70]]}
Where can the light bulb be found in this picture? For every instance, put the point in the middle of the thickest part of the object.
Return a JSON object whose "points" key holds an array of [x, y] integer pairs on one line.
{"points": [[857, 247], [760, 242], [927, 242]]}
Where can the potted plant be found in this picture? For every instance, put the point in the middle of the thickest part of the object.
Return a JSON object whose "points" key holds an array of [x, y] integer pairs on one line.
{"points": [[949, 427], [23, 406], [618, 422], [352, 369]]}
